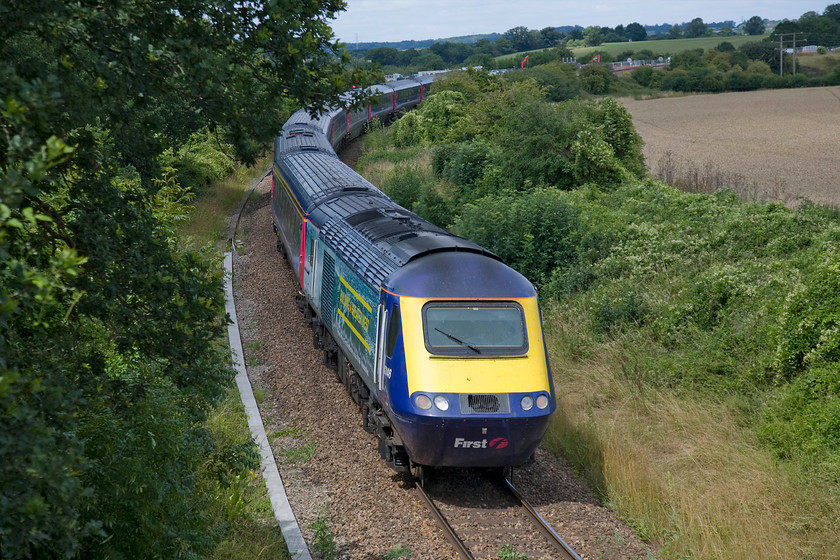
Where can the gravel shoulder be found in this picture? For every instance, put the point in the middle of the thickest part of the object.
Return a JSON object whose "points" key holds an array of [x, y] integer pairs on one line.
{"points": [[330, 464]]}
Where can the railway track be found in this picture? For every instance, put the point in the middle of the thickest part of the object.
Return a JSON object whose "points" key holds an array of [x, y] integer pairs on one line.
{"points": [[484, 516]]}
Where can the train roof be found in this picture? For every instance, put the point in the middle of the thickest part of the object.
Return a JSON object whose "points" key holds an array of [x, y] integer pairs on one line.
{"points": [[459, 274], [380, 88], [302, 137], [316, 176], [404, 83], [321, 122], [428, 78], [370, 232], [376, 237]]}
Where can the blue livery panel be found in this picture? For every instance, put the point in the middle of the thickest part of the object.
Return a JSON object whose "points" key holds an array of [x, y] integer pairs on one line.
{"points": [[348, 308]]}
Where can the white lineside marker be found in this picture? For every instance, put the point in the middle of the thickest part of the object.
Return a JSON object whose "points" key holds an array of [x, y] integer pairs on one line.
{"points": [[273, 483]]}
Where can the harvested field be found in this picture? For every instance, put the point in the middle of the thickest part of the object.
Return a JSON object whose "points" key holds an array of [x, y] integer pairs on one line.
{"points": [[776, 144]]}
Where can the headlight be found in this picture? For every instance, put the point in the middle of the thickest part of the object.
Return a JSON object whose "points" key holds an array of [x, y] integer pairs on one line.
{"points": [[527, 402], [542, 401], [422, 401], [441, 402]]}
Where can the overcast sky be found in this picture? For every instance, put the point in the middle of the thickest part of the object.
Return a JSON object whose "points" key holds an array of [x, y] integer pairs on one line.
{"points": [[397, 20]]}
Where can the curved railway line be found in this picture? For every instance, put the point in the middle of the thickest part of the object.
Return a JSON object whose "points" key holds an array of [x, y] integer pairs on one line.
{"points": [[371, 509], [480, 529]]}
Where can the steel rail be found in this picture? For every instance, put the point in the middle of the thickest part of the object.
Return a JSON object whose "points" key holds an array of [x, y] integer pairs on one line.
{"points": [[461, 550], [543, 525]]}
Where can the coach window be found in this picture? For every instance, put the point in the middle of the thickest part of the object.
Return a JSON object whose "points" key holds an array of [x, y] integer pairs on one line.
{"points": [[311, 251], [393, 330]]}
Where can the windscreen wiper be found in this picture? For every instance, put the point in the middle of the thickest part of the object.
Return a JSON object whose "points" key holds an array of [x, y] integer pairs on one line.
{"points": [[459, 341]]}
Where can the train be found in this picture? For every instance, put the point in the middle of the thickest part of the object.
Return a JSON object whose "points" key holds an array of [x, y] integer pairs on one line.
{"points": [[437, 340]]}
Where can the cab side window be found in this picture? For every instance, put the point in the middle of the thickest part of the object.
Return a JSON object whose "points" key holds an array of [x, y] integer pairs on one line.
{"points": [[393, 330]]}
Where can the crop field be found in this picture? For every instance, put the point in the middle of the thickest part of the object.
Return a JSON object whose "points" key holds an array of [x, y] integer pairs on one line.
{"points": [[770, 144]]}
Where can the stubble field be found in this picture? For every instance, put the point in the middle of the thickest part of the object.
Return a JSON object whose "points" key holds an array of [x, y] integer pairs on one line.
{"points": [[776, 144]]}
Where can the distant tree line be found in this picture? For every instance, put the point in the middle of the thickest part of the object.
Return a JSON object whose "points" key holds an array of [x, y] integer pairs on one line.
{"points": [[813, 28], [483, 51], [751, 66]]}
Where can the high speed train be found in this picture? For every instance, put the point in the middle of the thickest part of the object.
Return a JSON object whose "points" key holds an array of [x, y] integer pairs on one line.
{"points": [[438, 341]]}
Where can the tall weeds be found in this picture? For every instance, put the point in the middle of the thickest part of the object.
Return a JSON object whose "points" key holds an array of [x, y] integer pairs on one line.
{"points": [[708, 178], [688, 474]]}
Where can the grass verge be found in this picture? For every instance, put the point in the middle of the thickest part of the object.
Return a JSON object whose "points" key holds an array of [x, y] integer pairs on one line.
{"points": [[214, 204], [243, 510], [686, 472], [251, 529]]}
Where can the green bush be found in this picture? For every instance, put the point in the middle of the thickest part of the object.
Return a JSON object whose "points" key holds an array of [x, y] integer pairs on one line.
{"points": [[557, 78], [535, 232], [442, 116], [616, 127], [464, 165], [412, 187], [809, 329], [643, 76], [407, 131], [405, 184], [802, 421], [625, 306], [204, 158], [595, 79]]}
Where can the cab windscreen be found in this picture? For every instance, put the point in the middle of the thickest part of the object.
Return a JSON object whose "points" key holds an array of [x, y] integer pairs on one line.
{"points": [[475, 329]]}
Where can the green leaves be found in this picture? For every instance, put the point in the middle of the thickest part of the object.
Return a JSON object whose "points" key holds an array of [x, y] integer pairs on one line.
{"points": [[809, 329], [109, 354]]}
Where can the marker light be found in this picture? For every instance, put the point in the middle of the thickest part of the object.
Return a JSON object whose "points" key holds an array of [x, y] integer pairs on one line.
{"points": [[441, 402], [422, 401], [542, 401], [527, 402]]}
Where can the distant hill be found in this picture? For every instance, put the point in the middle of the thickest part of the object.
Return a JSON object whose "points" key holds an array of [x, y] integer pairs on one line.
{"points": [[404, 45], [662, 28], [466, 39], [657, 29]]}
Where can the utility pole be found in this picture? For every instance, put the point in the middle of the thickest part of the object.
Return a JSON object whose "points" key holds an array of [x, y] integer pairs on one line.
{"points": [[793, 40], [781, 57]]}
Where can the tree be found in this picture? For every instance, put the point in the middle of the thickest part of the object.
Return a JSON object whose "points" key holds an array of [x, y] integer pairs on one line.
{"points": [[675, 32], [109, 354], [762, 51], [754, 26], [502, 46], [484, 60], [452, 53], [550, 36], [636, 32], [386, 56], [696, 28], [595, 78], [429, 61], [832, 12], [484, 46], [690, 58], [521, 39], [643, 75], [593, 36]]}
